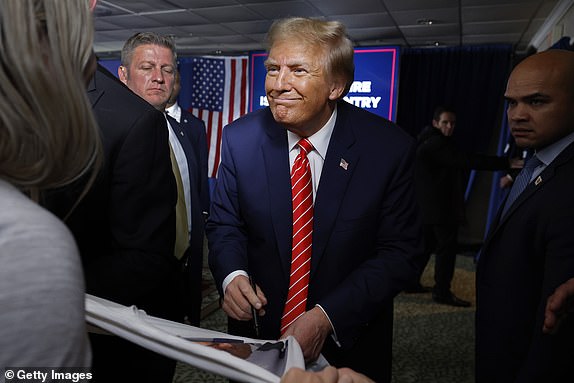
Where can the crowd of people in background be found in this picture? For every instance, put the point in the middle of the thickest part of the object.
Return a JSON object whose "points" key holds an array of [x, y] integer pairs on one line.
{"points": [[321, 214]]}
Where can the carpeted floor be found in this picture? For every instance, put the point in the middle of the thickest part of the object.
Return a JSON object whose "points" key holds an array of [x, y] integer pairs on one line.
{"points": [[432, 343], [435, 343]]}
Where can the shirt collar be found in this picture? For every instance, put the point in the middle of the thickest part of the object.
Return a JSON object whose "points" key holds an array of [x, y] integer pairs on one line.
{"points": [[549, 153], [174, 112], [320, 139]]}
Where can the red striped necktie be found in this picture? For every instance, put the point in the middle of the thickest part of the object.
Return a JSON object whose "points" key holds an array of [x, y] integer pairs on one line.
{"points": [[302, 194]]}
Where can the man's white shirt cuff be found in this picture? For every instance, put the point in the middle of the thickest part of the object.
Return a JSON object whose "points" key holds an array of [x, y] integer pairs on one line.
{"points": [[334, 334], [230, 277]]}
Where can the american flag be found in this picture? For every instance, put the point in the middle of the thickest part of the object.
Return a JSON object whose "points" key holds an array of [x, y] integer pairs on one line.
{"points": [[219, 95]]}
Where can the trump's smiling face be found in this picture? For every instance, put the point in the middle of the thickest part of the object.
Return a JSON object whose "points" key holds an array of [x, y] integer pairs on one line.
{"points": [[300, 91]]}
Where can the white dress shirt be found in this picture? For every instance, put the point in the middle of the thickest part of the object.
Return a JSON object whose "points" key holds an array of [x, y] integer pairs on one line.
{"points": [[174, 112]]}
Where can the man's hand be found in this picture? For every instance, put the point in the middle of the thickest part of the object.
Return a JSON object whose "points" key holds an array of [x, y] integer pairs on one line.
{"points": [[558, 305], [310, 329], [506, 181], [239, 299]]}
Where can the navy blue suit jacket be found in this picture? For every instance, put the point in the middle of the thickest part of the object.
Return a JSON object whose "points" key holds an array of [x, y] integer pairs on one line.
{"points": [[366, 235], [190, 132], [526, 255]]}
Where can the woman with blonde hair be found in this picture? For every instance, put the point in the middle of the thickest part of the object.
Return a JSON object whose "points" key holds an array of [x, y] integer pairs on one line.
{"points": [[48, 138]]}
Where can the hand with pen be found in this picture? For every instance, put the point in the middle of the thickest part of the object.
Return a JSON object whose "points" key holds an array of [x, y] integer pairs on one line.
{"points": [[244, 302]]}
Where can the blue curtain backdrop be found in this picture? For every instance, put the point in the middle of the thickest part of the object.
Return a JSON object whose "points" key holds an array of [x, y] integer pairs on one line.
{"points": [[470, 79]]}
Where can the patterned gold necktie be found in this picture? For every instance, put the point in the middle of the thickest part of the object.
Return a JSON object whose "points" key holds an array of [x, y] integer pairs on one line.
{"points": [[181, 228]]}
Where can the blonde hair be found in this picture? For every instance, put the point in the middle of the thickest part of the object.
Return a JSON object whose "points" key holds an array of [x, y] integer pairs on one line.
{"points": [[331, 36], [48, 135]]}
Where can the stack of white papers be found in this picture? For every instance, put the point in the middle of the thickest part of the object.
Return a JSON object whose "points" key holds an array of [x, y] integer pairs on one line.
{"points": [[237, 358]]}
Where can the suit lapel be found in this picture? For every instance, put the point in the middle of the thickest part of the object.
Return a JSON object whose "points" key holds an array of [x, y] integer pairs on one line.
{"points": [[276, 162], [340, 163], [185, 141], [192, 164], [94, 94], [537, 184]]}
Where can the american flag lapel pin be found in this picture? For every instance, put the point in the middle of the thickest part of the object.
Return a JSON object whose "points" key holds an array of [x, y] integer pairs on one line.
{"points": [[344, 164]]}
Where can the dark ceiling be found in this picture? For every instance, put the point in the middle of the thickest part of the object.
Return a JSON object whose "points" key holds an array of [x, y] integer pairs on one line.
{"points": [[239, 26]]}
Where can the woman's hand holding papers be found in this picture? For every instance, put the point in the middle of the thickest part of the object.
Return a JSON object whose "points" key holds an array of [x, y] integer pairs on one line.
{"points": [[327, 375]]}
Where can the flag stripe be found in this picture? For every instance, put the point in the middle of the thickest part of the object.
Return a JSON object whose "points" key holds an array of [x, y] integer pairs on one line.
{"points": [[232, 102], [217, 146], [243, 100], [232, 90]]}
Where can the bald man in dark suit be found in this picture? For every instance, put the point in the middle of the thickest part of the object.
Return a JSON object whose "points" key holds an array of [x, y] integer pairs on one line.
{"points": [[529, 250]]}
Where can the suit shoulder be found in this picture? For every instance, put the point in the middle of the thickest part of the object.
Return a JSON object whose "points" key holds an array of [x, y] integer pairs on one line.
{"points": [[433, 140], [118, 109], [116, 93], [371, 126], [252, 128], [258, 120], [256, 117]]}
